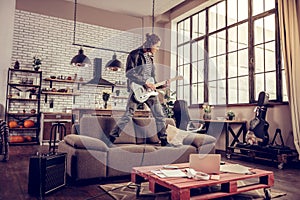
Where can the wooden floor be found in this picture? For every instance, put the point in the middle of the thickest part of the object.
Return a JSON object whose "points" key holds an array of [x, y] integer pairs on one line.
{"points": [[14, 179]]}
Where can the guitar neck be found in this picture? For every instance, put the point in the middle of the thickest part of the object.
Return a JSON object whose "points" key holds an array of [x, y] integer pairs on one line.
{"points": [[163, 82]]}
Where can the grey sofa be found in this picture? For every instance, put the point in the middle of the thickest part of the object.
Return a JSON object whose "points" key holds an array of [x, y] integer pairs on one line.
{"points": [[138, 145]]}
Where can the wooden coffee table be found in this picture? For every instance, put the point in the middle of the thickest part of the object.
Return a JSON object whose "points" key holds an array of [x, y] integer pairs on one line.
{"points": [[180, 187]]}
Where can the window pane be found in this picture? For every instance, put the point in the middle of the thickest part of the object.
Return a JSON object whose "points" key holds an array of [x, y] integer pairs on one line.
{"points": [[257, 6], [195, 27], [269, 4], [200, 93], [186, 30], [271, 85], [180, 33], [200, 69], [269, 28], [270, 56], [243, 36], [180, 55], [212, 72], [258, 32], [232, 91], [259, 83], [201, 51], [186, 53], [212, 21], [232, 64], [221, 14], [259, 59], [221, 66], [232, 39], [186, 95], [179, 93], [284, 88], [243, 68], [202, 22], [180, 70], [242, 9], [194, 94], [231, 11], [221, 92], [194, 52], [186, 74], [221, 43], [243, 89], [194, 73], [212, 41], [212, 91]]}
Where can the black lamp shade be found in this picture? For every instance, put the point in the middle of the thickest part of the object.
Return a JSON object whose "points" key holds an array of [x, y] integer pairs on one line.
{"points": [[114, 64], [80, 59]]}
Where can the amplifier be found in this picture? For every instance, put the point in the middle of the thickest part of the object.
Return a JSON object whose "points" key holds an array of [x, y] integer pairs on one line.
{"points": [[46, 173]]}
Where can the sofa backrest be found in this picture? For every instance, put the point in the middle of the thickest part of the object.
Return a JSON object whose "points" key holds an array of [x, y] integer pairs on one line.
{"points": [[146, 131], [100, 126], [136, 131]]}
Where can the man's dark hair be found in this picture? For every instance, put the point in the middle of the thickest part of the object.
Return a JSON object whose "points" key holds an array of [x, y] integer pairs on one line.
{"points": [[151, 39]]}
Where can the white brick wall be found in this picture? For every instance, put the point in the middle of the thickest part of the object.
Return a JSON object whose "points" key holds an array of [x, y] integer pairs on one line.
{"points": [[52, 39]]}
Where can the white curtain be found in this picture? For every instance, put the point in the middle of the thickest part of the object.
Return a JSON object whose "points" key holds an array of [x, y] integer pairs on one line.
{"points": [[289, 17]]}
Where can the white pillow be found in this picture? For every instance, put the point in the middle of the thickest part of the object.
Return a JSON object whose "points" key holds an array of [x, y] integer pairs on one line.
{"points": [[175, 136]]}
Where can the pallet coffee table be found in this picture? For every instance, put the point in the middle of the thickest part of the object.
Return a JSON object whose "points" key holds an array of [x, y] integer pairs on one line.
{"points": [[181, 187]]}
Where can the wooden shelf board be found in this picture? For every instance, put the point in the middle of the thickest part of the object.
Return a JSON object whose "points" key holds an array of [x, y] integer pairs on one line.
{"points": [[62, 80], [61, 93]]}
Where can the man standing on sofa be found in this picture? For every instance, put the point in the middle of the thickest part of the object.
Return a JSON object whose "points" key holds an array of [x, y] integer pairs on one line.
{"points": [[139, 70]]}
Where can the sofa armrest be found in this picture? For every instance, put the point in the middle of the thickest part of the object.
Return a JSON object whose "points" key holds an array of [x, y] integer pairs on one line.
{"points": [[197, 140], [85, 142]]}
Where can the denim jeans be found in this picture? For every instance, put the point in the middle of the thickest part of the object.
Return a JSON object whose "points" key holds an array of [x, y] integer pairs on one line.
{"points": [[156, 110]]}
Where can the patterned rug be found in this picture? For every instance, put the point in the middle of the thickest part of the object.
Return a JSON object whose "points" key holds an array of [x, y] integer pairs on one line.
{"points": [[127, 191]]}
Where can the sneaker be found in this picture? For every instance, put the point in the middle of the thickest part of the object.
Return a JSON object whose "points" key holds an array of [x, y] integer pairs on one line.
{"points": [[164, 142], [112, 139]]}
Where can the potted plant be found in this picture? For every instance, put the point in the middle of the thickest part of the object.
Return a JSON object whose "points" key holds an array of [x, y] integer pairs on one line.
{"points": [[105, 97], [207, 111], [37, 62], [230, 115]]}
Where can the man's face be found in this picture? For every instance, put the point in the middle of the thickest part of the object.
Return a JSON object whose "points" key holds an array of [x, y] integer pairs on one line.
{"points": [[155, 47]]}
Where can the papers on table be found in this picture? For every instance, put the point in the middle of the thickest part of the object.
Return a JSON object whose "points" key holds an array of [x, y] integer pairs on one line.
{"points": [[235, 168], [174, 173]]}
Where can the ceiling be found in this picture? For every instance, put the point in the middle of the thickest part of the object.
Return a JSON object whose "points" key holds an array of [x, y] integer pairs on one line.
{"points": [[139, 8]]}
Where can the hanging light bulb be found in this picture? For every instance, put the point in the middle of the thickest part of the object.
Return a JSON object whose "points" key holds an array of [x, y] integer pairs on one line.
{"points": [[114, 64], [80, 60]]}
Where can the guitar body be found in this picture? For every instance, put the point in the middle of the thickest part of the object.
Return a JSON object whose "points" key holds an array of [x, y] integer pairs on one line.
{"points": [[259, 126], [141, 94]]}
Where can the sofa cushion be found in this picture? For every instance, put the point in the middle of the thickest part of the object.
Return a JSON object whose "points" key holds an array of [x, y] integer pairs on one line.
{"points": [[197, 139], [146, 128], [176, 136], [85, 142]]}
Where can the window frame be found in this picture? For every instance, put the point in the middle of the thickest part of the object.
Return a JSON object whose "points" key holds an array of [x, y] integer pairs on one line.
{"points": [[251, 80]]}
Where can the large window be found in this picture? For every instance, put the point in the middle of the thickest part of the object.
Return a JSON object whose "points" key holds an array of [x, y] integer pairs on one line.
{"points": [[229, 52]]}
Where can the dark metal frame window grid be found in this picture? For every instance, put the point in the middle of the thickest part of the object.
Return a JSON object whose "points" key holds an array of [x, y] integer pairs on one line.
{"points": [[186, 67]]}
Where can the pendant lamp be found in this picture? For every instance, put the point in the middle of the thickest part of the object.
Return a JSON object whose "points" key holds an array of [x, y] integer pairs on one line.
{"points": [[80, 59], [114, 64]]}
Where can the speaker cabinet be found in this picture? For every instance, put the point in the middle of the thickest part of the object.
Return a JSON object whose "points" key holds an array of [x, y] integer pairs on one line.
{"points": [[46, 173]]}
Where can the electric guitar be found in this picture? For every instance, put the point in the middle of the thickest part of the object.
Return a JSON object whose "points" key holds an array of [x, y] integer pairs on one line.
{"points": [[141, 94]]}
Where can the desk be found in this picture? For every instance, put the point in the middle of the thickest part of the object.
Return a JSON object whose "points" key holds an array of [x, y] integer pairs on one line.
{"points": [[228, 125]]}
